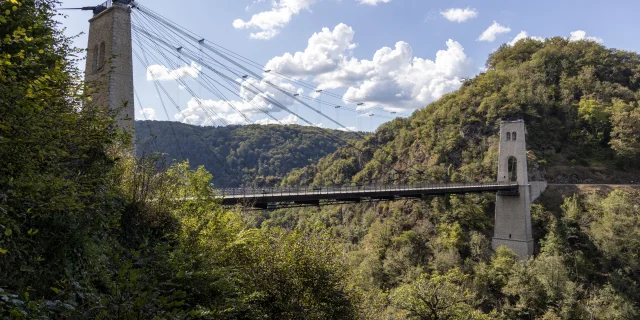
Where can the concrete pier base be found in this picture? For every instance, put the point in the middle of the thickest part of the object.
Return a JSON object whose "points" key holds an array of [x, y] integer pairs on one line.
{"points": [[523, 249]]}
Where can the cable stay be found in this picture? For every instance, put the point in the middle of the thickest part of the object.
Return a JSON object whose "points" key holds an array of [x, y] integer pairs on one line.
{"points": [[144, 115], [168, 39], [227, 79], [195, 38], [160, 86], [327, 133], [189, 55], [332, 136], [180, 48]]}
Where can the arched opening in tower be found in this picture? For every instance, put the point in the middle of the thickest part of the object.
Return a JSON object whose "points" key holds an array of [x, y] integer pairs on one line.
{"points": [[102, 56], [95, 59], [512, 168]]}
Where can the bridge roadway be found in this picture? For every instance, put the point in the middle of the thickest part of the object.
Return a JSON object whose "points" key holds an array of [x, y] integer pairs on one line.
{"points": [[272, 198]]}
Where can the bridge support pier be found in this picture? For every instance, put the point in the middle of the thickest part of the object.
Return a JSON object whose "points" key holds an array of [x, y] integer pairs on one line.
{"points": [[513, 211], [109, 68]]}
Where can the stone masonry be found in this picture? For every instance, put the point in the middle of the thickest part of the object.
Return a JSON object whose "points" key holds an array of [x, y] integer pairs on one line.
{"points": [[513, 211], [109, 69]]}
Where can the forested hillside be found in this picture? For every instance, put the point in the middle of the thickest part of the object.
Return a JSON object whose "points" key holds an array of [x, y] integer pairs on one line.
{"points": [[432, 259], [578, 99], [251, 155]]}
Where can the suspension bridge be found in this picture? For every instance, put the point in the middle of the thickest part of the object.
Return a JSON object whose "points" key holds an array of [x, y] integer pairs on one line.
{"points": [[124, 29], [274, 198]]}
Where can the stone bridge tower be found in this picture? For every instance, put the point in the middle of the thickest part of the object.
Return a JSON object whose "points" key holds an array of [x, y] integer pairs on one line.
{"points": [[513, 210], [109, 68]]}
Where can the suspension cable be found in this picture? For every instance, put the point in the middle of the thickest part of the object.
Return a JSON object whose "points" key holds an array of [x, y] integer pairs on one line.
{"points": [[254, 64], [186, 52]]}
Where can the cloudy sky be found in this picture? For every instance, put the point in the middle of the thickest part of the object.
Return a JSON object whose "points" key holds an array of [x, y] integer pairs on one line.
{"points": [[393, 55]]}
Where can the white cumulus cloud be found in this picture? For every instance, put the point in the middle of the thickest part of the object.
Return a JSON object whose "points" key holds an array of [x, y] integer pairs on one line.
{"points": [[271, 22], [494, 30], [459, 15], [205, 112], [162, 73], [325, 51], [148, 114], [257, 97], [523, 35], [403, 81], [394, 78], [582, 35], [373, 2], [290, 119]]}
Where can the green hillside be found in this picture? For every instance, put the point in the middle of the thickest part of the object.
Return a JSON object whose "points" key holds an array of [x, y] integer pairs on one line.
{"points": [[432, 258], [254, 155], [578, 99]]}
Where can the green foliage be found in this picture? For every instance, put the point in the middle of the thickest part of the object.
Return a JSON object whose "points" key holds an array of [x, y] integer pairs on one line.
{"points": [[596, 118], [54, 157], [252, 155], [297, 276], [606, 303], [437, 296], [616, 229], [578, 99], [580, 271], [626, 130], [89, 232]]}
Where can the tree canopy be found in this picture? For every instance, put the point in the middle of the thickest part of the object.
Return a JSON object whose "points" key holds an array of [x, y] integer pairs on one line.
{"points": [[579, 100], [432, 258]]}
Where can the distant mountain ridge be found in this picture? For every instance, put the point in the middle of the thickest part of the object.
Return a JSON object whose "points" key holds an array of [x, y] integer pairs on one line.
{"points": [[256, 155]]}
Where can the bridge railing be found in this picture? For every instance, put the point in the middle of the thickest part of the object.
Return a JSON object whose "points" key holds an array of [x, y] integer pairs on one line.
{"points": [[284, 191]]}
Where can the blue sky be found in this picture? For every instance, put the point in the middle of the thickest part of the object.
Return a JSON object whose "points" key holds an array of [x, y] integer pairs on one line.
{"points": [[429, 47]]}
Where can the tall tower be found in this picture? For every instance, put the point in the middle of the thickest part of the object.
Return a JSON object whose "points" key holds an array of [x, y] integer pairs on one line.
{"points": [[513, 210], [109, 70]]}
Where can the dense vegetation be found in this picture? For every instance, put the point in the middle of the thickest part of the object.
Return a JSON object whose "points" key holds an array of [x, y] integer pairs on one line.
{"points": [[433, 260], [88, 231], [252, 155], [579, 100]]}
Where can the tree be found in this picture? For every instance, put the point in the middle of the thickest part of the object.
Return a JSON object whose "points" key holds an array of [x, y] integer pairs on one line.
{"points": [[616, 229], [249, 155], [596, 118], [626, 130], [293, 275], [437, 296], [605, 303], [54, 154]]}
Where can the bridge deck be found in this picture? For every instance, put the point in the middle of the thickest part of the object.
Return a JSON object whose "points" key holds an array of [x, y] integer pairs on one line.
{"points": [[272, 197]]}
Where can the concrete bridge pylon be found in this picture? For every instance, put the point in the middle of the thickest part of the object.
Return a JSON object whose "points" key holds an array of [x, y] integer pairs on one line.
{"points": [[109, 67], [513, 209]]}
